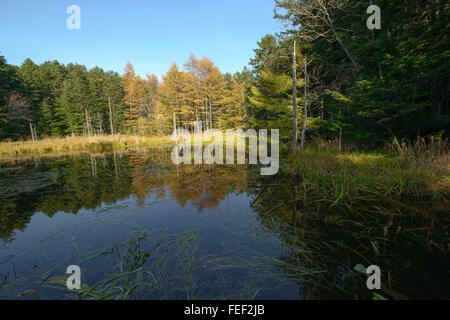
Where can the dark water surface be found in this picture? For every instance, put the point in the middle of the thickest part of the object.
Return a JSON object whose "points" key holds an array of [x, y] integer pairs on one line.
{"points": [[141, 228]]}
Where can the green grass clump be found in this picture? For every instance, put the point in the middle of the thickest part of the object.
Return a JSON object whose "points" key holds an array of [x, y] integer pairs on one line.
{"points": [[418, 170]]}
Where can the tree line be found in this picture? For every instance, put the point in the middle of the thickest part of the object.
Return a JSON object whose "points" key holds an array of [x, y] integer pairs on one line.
{"points": [[357, 84], [366, 85], [53, 99], [196, 92]]}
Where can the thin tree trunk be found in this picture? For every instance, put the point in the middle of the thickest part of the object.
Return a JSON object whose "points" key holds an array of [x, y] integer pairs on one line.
{"points": [[294, 101], [31, 130], [87, 124], [210, 115], [35, 133], [110, 116], [174, 123], [71, 129]]}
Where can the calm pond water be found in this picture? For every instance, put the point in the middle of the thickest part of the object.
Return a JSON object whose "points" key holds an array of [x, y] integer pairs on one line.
{"points": [[141, 228]]}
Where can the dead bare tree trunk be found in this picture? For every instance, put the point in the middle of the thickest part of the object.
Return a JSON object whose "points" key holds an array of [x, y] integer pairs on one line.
{"points": [[174, 124], [294, 101], [32, 131], [110, 116]]}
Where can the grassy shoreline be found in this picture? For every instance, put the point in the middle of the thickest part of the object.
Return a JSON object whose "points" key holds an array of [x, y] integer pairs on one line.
{"points": [[420, 170], [70, 145]]}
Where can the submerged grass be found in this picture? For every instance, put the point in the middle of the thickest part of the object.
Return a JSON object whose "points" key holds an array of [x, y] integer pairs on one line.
{"points": [[159, 265], [327, 247]]}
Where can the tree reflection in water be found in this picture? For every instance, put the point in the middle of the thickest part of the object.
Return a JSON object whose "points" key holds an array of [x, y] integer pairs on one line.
{"points": [[322, 243]]}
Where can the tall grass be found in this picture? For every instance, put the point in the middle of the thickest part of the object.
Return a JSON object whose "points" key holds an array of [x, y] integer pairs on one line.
{"points": [[419, 169], [96, 144], [425, 152]]}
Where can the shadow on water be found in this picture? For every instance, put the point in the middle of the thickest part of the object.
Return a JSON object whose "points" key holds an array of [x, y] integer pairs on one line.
{"points": [[406, 238], [143, 228]]}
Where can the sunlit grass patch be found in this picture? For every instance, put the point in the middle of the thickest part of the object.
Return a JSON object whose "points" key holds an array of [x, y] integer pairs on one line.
{"points": [[95, 144], [417, 170]]}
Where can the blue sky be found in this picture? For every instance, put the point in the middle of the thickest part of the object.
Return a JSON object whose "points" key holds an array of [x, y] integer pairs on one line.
{"points": [[151, 34]]}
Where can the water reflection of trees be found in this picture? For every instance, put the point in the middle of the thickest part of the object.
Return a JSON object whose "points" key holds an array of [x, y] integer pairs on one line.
{"points": [[204, 186], [88, 181], [405, 238]]}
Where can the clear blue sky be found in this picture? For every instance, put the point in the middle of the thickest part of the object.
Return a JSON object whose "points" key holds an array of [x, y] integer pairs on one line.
{"points": [[151, 34]]}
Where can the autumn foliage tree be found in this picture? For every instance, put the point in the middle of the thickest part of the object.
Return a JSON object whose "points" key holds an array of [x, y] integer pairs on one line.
{"points": [[200, 92]]}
